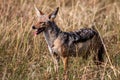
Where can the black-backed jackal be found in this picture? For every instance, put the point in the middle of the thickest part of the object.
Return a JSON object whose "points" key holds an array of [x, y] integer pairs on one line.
{"points": [[65, 44]]}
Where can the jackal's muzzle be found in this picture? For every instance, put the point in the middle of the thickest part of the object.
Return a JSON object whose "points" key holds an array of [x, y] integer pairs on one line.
{"points": [[39, 30]]}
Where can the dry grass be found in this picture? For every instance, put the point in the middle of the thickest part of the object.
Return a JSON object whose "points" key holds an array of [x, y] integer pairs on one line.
{"points": [[25, 57]]}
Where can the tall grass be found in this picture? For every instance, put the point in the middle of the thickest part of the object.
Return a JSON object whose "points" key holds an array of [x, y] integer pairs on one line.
{"points": [[26, 57]]}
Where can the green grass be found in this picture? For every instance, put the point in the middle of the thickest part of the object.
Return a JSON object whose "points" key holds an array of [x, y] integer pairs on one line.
{"points": [[26, 57]]}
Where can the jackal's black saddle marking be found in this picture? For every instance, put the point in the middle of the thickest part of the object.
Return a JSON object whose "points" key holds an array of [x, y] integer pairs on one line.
{"points": [[81, 35]]}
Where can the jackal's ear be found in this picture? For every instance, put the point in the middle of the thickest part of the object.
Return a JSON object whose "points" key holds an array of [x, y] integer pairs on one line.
{"points": [[52, 16], [38, 12]]}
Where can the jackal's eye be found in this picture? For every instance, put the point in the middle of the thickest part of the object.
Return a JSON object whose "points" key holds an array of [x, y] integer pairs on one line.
{"points": [[42, 23]]}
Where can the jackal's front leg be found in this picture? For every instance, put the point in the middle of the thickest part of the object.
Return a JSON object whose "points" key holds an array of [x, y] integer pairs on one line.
{"points": [[65, 63], [56, 66]]}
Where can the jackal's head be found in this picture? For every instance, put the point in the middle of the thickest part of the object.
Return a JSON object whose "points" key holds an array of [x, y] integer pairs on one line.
{"points": [[44, 20]]}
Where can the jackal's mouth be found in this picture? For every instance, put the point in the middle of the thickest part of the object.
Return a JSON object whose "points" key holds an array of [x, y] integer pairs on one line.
{"points": [[38, 31]]}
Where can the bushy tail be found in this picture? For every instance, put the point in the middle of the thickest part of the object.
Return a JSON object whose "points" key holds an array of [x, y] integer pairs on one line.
{"points": [[100, 47], [101, 53]]}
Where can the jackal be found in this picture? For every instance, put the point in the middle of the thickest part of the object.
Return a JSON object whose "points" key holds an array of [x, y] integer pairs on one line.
{"points": [[68, 44]]}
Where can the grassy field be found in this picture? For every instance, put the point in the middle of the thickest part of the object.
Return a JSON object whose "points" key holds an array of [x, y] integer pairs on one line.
{"points": [[26, 57]]}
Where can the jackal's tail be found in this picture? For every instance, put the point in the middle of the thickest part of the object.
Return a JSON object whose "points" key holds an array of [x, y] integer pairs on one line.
{"points": [[100, 46]]}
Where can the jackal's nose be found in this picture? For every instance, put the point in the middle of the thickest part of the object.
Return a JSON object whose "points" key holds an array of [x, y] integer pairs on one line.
{"points": [[33, 27]]}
